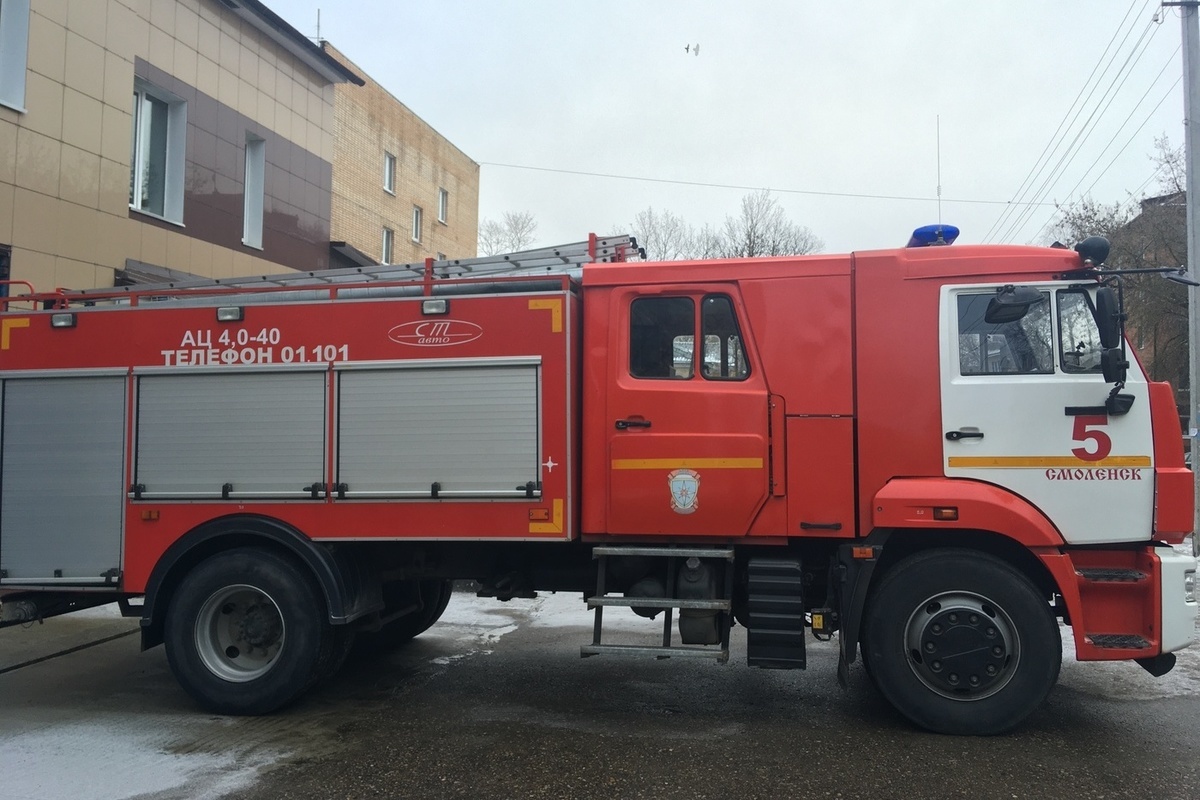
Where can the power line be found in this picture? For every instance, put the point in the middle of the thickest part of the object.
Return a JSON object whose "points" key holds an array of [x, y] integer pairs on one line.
{"points": [[1087, 128], [740, 187], [1126, 122], [1054, 142], [1170, 91]]}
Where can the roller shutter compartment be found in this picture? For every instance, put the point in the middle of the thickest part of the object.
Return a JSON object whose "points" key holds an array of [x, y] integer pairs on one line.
{"points": [[446, 431], [237, 434], [62, 491]]}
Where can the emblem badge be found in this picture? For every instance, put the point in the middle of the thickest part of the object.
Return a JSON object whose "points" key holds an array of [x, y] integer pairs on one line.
{"points": [[435, 333], [685, 490]]}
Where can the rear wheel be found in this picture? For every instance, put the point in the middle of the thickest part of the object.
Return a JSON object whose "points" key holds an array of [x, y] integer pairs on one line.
{"points": [[427, 599], [247, 632], [961, 642]]}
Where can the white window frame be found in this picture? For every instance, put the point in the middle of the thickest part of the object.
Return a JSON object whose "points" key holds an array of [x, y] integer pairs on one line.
{"points": [[254, 191], [416, 223], [14, 52], [173, 158], [387, 250], [389, 173], [443, 205]]}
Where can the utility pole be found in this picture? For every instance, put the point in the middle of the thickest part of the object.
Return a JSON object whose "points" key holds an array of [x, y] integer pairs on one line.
{"points": [[1190, 15]]}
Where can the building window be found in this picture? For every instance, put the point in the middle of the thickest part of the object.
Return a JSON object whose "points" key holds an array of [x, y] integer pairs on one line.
{"points": [[14, 47], [416, 228], [5, 268], [389, 173], [159, 137], [252, 219], [388, 239], [443, 205], [441, 257]]}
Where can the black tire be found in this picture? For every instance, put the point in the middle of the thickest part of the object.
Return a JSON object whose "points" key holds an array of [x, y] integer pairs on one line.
{"points": [[865, 658], [338, 644], [247, 632], [431, 597], [961, 642]]}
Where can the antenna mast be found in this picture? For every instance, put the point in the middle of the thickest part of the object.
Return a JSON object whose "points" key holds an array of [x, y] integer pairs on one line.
{"points": [[939, 167]]}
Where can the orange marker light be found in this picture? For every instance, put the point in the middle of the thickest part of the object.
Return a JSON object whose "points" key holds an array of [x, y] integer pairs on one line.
{"points": [[149, 514], [946, 513], [539, 515]]}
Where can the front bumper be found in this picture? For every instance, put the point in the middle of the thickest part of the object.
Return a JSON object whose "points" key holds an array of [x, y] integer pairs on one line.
{"points": [[1178, 614]]}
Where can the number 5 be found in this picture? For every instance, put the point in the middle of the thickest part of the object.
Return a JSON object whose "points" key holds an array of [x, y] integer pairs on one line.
{"points": [[1082, 434]]}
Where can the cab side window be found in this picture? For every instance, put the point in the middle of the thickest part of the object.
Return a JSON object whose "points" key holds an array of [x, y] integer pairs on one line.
{"points": [[1078, 332], [1024, 347], [661, 337], [724, 358]]}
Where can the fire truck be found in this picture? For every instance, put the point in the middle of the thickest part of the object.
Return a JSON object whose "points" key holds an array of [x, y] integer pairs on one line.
{"points": [[945, 455]]}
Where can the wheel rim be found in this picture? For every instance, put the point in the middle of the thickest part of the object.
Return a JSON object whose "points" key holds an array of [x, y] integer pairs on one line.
{"points": [[239, 633], [962, 646]]}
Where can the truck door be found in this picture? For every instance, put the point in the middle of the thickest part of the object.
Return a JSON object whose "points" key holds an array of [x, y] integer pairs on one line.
{"points": [[1023, 407], [687, 408]]}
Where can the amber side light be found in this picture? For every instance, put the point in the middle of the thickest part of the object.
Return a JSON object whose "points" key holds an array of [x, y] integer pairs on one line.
{"points": [[539, 515], [947, 513]]}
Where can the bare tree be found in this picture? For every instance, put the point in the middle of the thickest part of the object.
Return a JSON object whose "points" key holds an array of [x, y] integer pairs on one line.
{"points": [[1170, 166], [1149, 233], [763, 229], [514, 232], [664, 236], [1087, 217]]}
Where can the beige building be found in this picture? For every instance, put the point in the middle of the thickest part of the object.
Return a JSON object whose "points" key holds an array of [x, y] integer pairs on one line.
{"points": [[401, 191], [140, 137]]}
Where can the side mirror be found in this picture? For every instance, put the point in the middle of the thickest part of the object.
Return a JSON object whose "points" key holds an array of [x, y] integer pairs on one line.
{"points": [[1011, 303], [1113, 364], [1108, 317]]}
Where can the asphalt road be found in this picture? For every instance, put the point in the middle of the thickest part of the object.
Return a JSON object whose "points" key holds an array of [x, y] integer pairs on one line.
{"points": [[495, 702]]}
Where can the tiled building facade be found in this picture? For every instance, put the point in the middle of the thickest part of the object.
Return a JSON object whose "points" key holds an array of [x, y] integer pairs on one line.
{"points": [[401, 191], [141, 137]]}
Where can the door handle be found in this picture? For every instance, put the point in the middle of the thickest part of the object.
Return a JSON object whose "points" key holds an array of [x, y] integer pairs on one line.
{"points": [[954, 436], [625, 424]]}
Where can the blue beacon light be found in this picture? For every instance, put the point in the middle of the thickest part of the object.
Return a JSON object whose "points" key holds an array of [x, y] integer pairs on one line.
{"points": [[933, 236]]}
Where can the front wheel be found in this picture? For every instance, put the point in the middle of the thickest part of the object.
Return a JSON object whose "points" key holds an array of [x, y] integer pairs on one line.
{"points": [[247, 632], [961, 642]]}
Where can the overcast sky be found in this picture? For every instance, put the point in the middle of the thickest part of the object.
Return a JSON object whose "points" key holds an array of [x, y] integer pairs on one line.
{"points": [[833, 106]]}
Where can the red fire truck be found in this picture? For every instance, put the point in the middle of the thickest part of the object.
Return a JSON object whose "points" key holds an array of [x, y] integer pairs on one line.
{"points": [[936, 452]]}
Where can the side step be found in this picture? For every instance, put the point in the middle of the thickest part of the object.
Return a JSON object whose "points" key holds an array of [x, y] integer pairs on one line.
{"points": [[1109, 584], [1118, 641], [667, 650], [1107, 575], [776, 614]]}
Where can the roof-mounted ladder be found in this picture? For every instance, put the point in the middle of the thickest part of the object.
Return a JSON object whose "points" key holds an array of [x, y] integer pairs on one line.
{"points": [[548, 261]]}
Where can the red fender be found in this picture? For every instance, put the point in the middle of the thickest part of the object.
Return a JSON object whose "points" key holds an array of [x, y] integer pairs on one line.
{"points": [[909, 503]]}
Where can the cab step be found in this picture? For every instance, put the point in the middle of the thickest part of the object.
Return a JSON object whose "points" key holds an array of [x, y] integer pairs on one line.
{"points": [[673, 557], [1118, 641], [1111, 575], [775, 614]]}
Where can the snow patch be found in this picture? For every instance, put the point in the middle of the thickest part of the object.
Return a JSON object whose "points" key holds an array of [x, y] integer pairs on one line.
{"points": [[83, 758]]}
